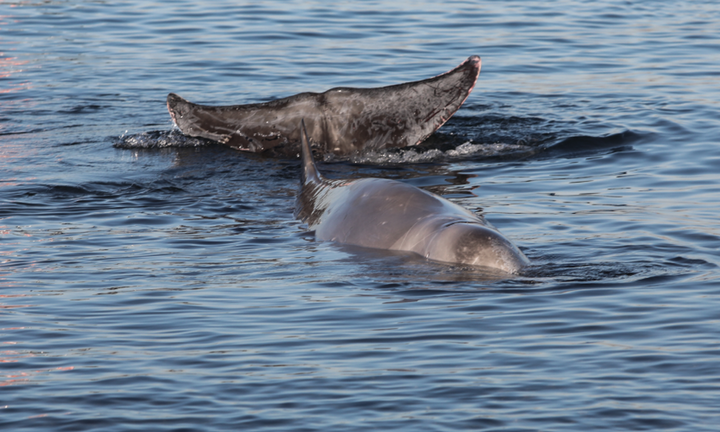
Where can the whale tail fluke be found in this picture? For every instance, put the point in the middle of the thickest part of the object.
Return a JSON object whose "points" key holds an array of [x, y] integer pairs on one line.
{"points": [[344, 120], [309, 172]]}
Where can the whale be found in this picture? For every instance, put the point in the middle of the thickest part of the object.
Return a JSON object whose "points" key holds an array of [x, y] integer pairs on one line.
{"points": [[341, 121], [388, 214]]}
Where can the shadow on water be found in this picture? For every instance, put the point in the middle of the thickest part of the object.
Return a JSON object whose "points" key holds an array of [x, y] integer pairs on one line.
{"points": [[208, 181]]}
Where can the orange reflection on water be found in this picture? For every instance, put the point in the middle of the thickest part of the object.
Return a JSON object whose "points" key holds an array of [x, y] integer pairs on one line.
{"points": [[6, 63], [8, 378], [3, 306], [24, 377], [10, 65]]}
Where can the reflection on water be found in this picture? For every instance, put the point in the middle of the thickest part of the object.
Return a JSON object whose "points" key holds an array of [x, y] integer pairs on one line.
{"points": [[10, 67], [8, 70]]}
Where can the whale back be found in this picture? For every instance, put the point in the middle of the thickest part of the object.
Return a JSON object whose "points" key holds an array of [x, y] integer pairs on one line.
{"points": [[474, 244], [387, 214]]}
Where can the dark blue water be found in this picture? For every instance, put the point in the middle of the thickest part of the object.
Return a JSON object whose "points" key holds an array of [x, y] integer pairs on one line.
{"points": [[151, 282]]}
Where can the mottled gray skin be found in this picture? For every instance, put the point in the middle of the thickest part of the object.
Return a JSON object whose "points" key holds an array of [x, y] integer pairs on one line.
{"points": [[387, 214], [341, 121]]}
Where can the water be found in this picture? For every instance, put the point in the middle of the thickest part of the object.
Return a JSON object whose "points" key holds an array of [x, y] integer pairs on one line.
{"points": [[151, 282]]}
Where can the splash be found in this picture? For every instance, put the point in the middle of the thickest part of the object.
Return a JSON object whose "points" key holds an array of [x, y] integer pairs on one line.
{"points": [[467, 150], [408, 155], [159, 139]]}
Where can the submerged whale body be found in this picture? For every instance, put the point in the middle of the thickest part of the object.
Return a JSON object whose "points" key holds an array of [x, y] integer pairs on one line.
{"points": [[388, 214], [341, 121]]}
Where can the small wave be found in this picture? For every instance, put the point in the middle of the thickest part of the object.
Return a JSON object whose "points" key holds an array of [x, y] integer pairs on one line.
{"points": [[435, 150], [414, 155], [159, 139], [489, 150], [579, 145]]}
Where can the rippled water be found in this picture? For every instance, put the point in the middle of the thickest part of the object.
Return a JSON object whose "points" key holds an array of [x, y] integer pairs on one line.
{"points": [[154, 282]]}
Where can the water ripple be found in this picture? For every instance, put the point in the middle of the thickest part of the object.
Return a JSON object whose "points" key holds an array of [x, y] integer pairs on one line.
{"points": [[158, 282]]}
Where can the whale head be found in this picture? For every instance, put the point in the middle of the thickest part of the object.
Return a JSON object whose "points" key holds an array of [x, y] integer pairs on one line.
{"points": [[475, 244]]}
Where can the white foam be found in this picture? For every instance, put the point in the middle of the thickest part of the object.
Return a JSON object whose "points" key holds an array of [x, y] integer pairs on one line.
{"points": [[159, 139], [411, 155]]}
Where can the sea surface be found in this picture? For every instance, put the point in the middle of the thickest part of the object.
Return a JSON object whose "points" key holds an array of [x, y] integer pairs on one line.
{"points": [[150, 281]]}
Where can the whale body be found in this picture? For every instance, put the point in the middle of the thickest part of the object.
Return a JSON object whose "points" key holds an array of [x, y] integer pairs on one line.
{"points": [[388, 214]]}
